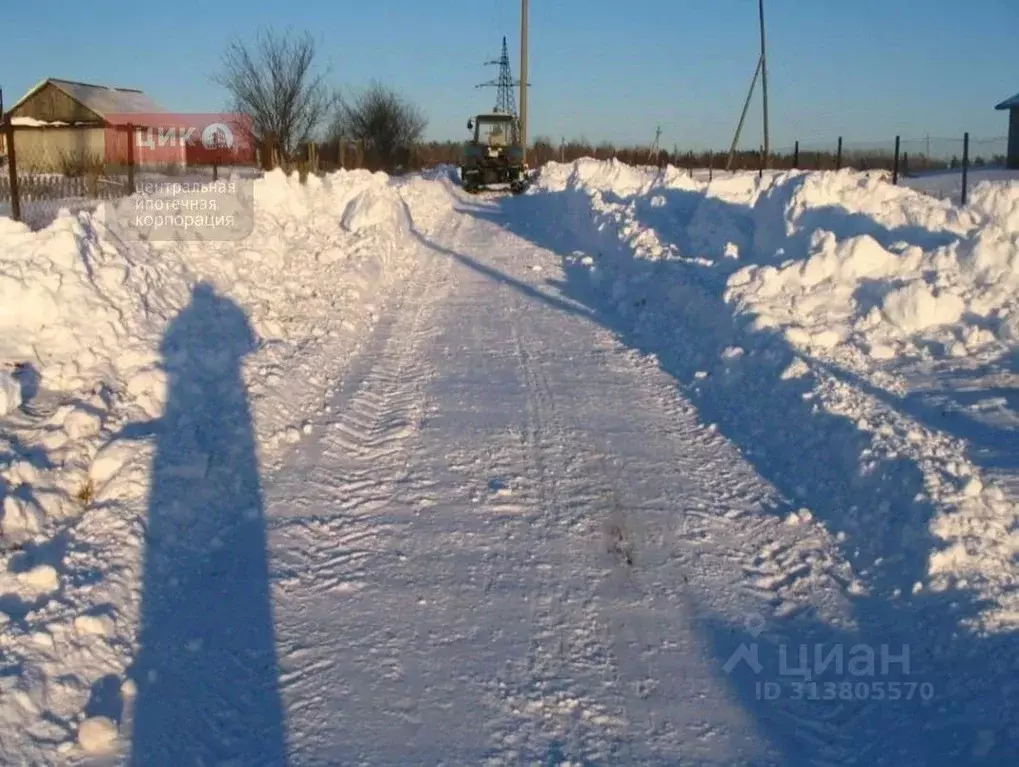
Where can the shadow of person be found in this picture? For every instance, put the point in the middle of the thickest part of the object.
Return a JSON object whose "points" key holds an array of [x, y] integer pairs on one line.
{"points": [[206, 667]]}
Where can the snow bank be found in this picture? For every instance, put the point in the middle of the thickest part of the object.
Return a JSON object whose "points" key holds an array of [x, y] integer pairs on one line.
{"points": [[84, 314], [998, 202], [597, 175], [890, 271], [828, 258], [84, 305], [800, 287]]}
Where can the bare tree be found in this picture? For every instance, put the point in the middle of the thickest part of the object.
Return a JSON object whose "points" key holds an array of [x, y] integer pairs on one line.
{"points": [[386, 124], [275, 86]]}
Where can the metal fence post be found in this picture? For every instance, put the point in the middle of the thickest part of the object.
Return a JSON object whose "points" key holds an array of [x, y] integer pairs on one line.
{"points": [[12, 169], [965, 164], [895, 163], [130, 159], [838, 156], [796, 155]]}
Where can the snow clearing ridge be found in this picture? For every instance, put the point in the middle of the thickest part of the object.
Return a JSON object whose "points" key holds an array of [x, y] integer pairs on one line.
{"points": [[87, 349], [853, 284], [853, 341]]}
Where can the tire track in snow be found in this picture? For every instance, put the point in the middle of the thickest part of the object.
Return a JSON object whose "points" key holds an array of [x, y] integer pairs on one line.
{"points": [[337, 509], [573, 683], [725, 528], [595, 592], [580, 630], [546, 677], [565, 646], [569, 625]]}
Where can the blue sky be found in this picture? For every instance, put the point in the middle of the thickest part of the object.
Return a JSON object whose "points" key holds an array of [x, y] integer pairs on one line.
{"points": [[600, 70]]}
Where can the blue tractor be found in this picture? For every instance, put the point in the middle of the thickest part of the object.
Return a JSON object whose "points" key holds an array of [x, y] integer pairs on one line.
{"points": [[494, 156]]}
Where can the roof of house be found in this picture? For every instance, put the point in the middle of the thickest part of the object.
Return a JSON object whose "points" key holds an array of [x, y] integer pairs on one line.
{"points": [[1011, 103], [101, 99]]}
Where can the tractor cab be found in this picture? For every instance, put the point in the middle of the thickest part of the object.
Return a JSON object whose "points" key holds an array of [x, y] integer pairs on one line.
{"points": [[494, 130]]}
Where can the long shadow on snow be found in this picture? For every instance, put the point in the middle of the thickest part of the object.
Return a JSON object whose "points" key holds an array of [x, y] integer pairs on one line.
{"points": [[814, 458], [206, 670], [495, 274]]}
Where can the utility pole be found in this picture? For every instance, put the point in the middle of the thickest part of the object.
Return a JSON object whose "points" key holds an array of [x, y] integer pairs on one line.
{"points": [[523, 77], [743, 115], [764, 84]]}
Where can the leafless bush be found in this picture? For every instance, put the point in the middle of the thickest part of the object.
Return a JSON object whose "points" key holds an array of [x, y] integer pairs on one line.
{"points": [[387, 125]]}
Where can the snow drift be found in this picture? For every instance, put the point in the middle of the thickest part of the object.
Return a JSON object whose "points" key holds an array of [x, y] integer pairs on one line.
{"points": [[83, 304], [805, 287], [829, 258], [83, 314], [888, 270]]}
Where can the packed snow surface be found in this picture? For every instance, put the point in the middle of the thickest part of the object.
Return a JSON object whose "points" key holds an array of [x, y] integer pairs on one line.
{"points": [[634, 468]]}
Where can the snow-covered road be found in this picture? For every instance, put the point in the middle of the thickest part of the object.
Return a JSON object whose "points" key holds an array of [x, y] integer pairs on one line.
{"points": [[476, 580], [508, 536], [437, 479]]}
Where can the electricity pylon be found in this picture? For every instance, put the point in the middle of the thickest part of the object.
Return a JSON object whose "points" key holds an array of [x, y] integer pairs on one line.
{"points": [[504, 100]]}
